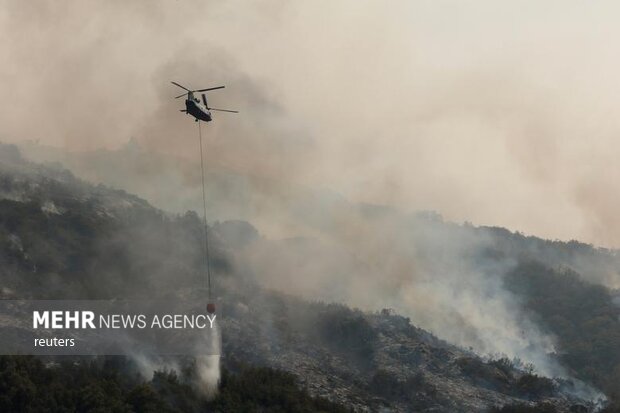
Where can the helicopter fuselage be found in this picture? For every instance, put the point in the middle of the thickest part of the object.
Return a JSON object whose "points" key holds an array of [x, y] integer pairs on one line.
{"points": [[197, 110]]}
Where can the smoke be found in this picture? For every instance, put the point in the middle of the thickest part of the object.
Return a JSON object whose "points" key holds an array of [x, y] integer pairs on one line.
{"points": [[499, 114], [494, 113], [148, 365], [436, 273], [208, 366]]}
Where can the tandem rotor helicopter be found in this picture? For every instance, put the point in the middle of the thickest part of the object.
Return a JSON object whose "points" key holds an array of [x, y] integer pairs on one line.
{"points": [[201, 111], [193, 106]]}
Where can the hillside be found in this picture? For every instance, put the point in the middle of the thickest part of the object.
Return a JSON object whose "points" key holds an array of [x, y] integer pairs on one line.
{"points": [[61, 237]]}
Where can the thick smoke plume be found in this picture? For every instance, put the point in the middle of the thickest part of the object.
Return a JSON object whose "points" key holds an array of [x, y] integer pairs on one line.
{"points": [[497, 113], [434, 273], [492, 112]]}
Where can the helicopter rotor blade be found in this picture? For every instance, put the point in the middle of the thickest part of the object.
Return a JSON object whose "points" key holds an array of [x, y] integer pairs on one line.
{"points": [[176, 97], [224, 110], [211, 88], [182, 87]]}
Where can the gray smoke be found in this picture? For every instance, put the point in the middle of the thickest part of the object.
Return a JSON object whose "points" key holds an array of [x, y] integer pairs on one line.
{"points": [[433, 274], [496, 113], [208, 366]]}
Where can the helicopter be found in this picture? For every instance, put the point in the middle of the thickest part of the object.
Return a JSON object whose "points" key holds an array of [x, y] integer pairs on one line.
{"points": [[193, 106]]}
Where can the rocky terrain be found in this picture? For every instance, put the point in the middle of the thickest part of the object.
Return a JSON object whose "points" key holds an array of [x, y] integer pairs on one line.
{"points": [[378, 362], [64, 238]]}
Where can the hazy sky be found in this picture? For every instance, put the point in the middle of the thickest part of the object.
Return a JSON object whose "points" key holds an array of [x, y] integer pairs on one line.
{"points": [[501, 113]]}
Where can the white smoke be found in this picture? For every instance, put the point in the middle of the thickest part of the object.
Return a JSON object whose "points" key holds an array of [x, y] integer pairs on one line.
{"points": [[147, 366], [208, 366]]}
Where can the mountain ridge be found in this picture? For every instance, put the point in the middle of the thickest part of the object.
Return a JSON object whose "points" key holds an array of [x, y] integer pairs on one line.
{"points": [[328, 346]]}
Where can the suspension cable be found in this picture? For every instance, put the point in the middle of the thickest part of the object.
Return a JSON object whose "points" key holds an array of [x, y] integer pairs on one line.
{"points": [[204, 210]]}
